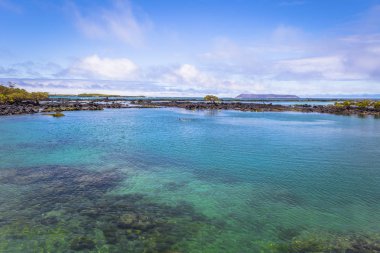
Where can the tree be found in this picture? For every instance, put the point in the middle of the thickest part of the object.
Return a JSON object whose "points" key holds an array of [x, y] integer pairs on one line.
{"points": [[211, 98]]}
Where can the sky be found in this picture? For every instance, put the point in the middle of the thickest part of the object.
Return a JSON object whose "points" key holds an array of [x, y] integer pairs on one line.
{"points": [[192, 47]]}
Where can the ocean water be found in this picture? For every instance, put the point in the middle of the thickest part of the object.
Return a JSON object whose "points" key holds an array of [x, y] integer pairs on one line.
{"points": [[172, 180]]}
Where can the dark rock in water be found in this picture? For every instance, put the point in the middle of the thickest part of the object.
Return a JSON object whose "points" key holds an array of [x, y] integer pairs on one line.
{"points": [[56, 204], [361, 244], [173, 186], [268, 107], [82, 243], [56, 114], [326, 243], [65, 202], [71, 106], [59, 178], [111, 234], [49, 221], [62, 105], [285, 234], [15, 109], [134, 221]]}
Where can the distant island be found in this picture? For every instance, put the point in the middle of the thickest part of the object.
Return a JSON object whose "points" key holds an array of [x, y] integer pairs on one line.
{"points": [[96, 95], [266, 96]]}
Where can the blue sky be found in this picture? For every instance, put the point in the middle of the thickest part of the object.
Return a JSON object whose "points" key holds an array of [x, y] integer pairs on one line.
{"points": [[192, 48]]}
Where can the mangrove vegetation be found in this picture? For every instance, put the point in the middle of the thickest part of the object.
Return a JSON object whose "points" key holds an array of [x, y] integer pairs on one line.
{"points": [[10, 95]]}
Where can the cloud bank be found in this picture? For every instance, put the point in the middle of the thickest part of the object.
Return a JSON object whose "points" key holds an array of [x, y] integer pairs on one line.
{"points": [[94, 67]]}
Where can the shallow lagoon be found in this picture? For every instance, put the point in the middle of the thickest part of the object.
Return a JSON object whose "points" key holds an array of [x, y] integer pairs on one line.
{"points": [[171, 180]]}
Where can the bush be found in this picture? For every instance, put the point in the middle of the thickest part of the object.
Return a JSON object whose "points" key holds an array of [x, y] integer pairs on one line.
{"points": [[211, 98], [376, 105], [14, 95], [3, 99], [363, 104], [347, 103]]}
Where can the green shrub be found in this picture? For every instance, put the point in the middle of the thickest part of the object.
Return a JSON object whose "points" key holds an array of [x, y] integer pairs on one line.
{"points": [[364, 103], [376, 105], [211, 98], [14, 95], [347, 103]]}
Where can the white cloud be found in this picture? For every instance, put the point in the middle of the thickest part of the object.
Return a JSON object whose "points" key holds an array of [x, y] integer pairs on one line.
{"points": [[363, 54], [187, 74], [190, 74], [118, 22], [94, 67], [290, 54], [327, 68]]}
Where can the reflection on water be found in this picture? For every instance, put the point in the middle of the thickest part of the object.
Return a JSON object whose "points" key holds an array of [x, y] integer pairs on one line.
{"points": [[168, 180]]}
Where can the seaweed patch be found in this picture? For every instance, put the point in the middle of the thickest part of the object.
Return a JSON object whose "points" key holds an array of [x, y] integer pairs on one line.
{"points": [[63, 209]]}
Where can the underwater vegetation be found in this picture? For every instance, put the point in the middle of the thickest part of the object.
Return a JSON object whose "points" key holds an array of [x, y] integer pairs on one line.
{"points": [[61, 209], [71, 209], [330, 243]]}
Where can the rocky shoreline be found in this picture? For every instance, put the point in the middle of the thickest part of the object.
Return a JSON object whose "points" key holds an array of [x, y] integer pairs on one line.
{"points": [[31, 108], [256, 107], [60, 106]]}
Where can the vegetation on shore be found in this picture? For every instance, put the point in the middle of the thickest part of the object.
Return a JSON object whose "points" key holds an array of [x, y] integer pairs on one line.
{"points": [[211, 98], [14, 95], [363, 104]]}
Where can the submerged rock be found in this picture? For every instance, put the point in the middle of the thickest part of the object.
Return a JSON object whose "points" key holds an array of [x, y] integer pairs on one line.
{"points": [[325, 242], [49, 221], [56, 204], [55, 115], [82, 243]]}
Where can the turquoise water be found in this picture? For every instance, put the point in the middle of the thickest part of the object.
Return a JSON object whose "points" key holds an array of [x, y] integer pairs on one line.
{"points": [[171, 180]]}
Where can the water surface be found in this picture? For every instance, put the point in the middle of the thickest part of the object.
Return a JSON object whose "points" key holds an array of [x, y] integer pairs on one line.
{"points": [[171, 180]]}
